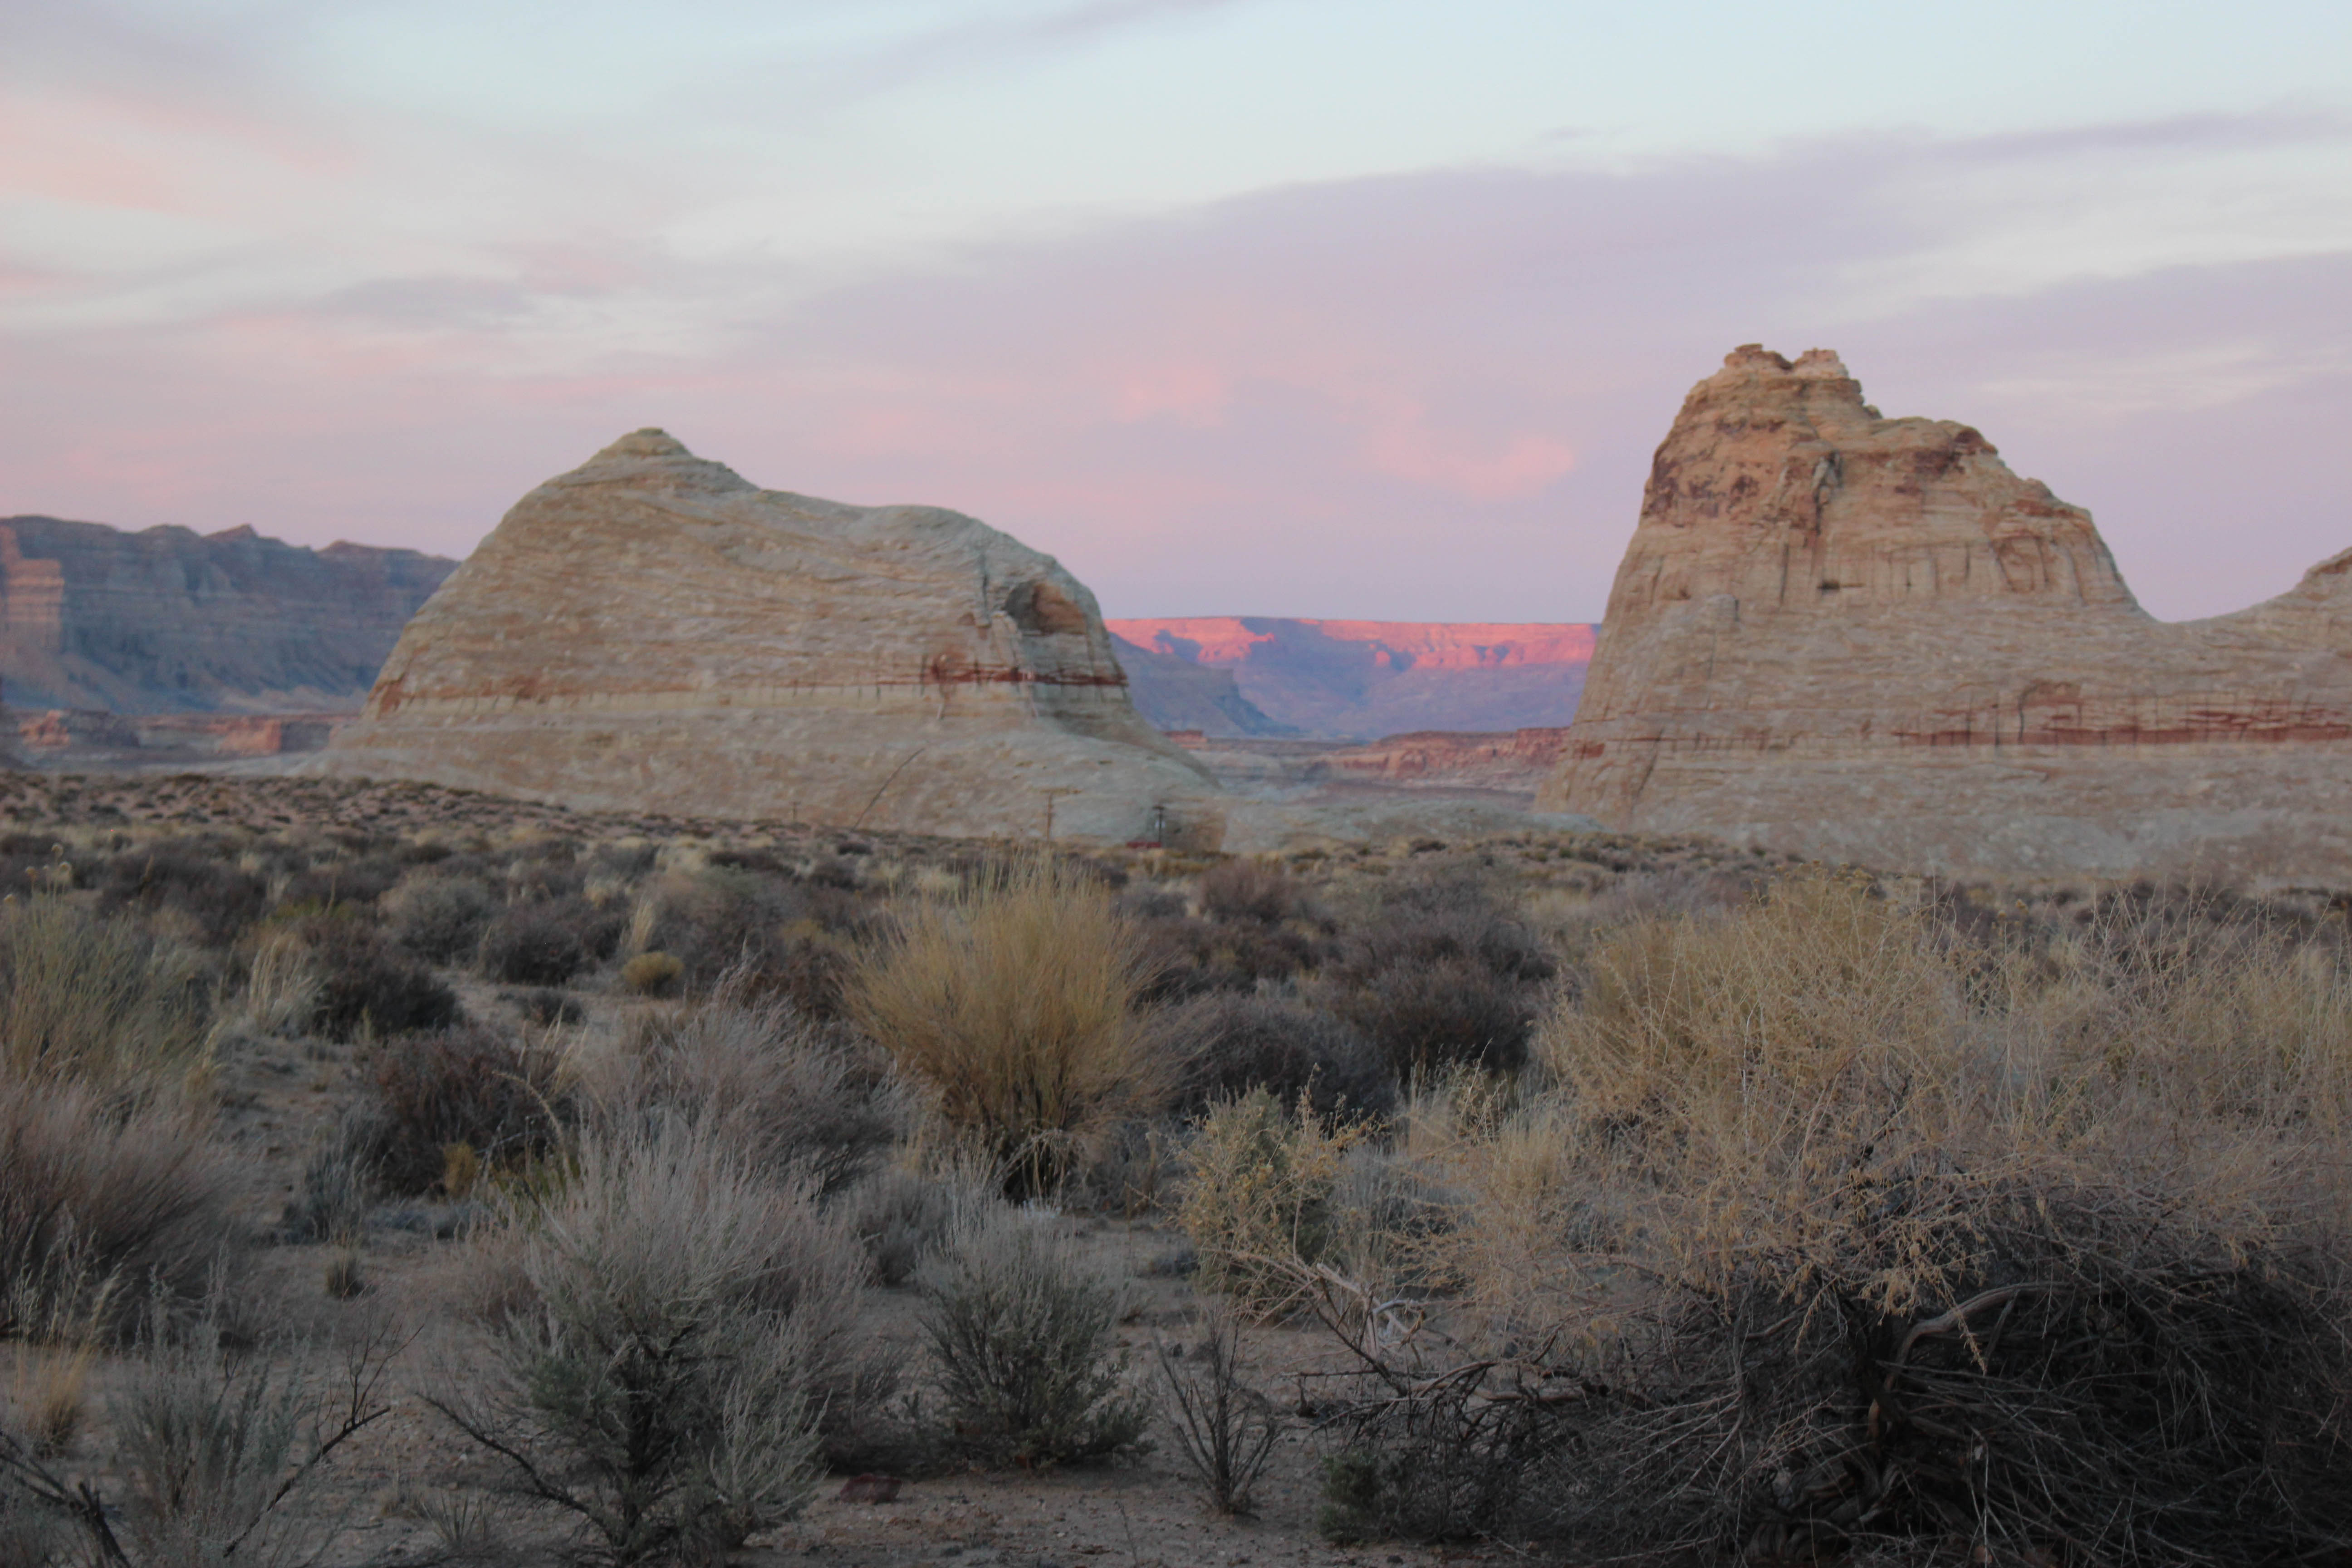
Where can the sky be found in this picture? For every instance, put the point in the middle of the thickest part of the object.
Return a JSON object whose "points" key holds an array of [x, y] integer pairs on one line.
{"points": [[1348, 308]]}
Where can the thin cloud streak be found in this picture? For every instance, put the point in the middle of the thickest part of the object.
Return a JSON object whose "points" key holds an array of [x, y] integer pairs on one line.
{"points": [[1414, 397]]}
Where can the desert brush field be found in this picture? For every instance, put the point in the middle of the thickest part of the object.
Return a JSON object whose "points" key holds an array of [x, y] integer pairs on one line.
{"points": [[393, 1175]]}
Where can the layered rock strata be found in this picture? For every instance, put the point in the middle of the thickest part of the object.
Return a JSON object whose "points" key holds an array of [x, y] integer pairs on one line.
{"points": [[1867, 639], [1516, 761], [168, 621], [652, 632]]}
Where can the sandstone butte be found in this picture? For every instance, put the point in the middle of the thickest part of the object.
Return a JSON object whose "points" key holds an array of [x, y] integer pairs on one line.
{"points": [[650, 632], [1867, 640]]}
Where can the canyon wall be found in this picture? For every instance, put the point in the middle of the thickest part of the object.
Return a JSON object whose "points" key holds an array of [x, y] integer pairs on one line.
{"points": [[1867, 639], [166, 620], [650, 631], [1362, 680]]}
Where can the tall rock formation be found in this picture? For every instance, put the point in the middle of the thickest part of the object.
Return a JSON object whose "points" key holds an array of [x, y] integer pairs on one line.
{"points": [[1865, 638], [1362, 680], [651, 632], [168, 621]]}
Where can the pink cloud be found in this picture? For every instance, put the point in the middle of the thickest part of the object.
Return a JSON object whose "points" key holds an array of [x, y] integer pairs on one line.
{"points": [[151, 152], [1475, 467], [1416, 398], [1194, 392]]}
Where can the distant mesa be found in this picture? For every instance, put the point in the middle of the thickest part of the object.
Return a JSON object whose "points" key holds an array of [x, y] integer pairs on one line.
{"points": [[1239, 675], [1175, 694], [1867, 639], [652, 632], [95, 619]]}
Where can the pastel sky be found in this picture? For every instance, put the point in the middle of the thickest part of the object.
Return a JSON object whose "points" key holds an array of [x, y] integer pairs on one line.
{"points": [[1366, 308]]}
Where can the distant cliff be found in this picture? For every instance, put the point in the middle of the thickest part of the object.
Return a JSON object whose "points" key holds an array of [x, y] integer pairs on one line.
{"points": [[1173, 692], [170, 621], [1362, 680]]}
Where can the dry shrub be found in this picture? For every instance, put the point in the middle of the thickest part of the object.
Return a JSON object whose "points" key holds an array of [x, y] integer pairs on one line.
{"points": [[667, 1326], [1446, 973], [190, 879], [652, 973], [1462, 911], [1188, 957], [1025, 1333], [367, 986], [548, 943], [1015, 1000], [48, 1396], [215, 1450], [331, 1202], [108, 1188], [440, 917], [1827, 1237], [904, 1215], [1231, 1043], [806, 966], [95, 1002], [1257, 1198], [1683, 1011], [786, 1092], [501, 1097], [329, 884], [721, 919], [31, 1535], [283, 985], [546, 1006], [542, 869], [1431, 1014], [1251, 890], [99, 1207], [2219, 1017], [1224, 1427]]}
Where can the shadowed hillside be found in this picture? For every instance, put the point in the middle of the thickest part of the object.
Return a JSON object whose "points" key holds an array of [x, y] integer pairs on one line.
{"points": [[170, 621]]}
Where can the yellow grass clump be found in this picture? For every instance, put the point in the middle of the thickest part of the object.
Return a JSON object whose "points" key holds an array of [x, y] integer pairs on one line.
{"points": [[1015, 998], [94, 1002], [111, 1190]]}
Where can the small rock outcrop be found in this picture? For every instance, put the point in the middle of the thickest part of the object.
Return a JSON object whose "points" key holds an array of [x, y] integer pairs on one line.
{"points": [[1865, 639], [652, 632], [169, 621]]}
